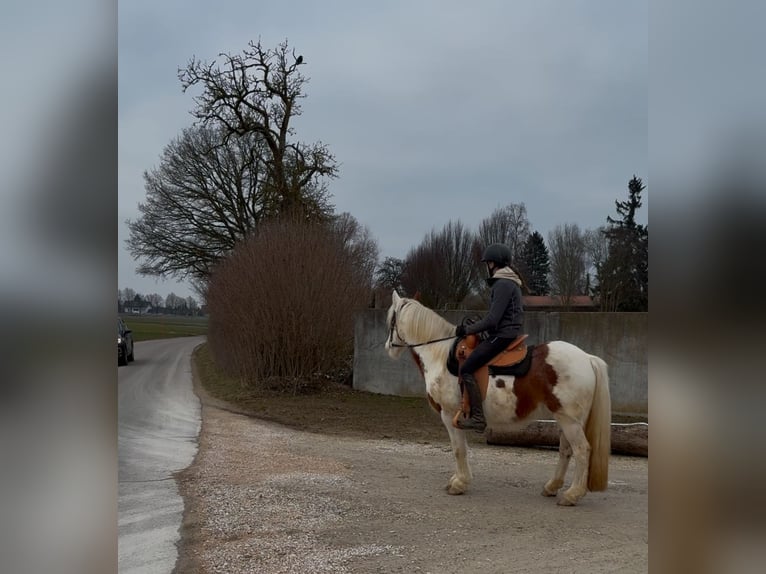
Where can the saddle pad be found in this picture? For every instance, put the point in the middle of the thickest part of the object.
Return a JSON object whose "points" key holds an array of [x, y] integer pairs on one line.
{"points": [[517, 370], [452, 363]]}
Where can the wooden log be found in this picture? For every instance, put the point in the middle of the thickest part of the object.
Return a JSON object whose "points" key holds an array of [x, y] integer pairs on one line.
{"points": [[627, 438]]}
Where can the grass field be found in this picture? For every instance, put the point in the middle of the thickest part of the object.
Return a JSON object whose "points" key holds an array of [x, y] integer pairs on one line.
{"points": [[147, 327]]}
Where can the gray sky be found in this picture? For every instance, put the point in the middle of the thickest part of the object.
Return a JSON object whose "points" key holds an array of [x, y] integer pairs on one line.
{"points": [[435, 110]]}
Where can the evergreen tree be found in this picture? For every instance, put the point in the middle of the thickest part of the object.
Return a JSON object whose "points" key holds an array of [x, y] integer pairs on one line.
{"points": [[623, 278], [536, 265]]}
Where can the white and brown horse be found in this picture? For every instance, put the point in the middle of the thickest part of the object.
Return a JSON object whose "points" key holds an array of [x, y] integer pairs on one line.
{"points": [[563, 379]]}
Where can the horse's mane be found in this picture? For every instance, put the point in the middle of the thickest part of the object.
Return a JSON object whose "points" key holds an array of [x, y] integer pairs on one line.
{"points": [[424, 324]]}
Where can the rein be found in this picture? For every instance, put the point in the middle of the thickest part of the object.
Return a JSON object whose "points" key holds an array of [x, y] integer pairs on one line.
{"points": [[393, 328], [410, 346]]}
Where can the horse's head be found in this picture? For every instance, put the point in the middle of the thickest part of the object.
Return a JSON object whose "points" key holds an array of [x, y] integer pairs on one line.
{"points": [[410, 325], [394, 324]]}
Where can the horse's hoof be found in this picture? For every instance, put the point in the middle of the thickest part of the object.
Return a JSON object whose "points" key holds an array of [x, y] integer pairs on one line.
{"points": [[454, 490], [455, 486], [564, 501], [551, 488]]}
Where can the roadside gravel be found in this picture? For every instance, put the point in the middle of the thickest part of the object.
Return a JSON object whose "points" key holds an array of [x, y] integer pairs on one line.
{"points": [[261, 497]]}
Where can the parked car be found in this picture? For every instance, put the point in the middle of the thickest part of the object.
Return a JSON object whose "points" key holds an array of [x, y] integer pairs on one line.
{"points": [[124, 343]]}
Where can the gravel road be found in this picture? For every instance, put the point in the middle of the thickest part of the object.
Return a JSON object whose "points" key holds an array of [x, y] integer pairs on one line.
{"points": [[263, 498]]}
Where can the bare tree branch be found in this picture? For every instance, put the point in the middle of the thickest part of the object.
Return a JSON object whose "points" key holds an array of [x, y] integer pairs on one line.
{"points": [[508, 225], [202, 200], [258, 91], [568, 262], [442, 268]]}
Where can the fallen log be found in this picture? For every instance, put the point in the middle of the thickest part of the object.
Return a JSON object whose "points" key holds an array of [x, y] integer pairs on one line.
{"points": [[627, 438]]}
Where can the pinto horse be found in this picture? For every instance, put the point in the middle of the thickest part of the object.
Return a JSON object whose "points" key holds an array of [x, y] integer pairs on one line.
{"points": [[564, 379]]}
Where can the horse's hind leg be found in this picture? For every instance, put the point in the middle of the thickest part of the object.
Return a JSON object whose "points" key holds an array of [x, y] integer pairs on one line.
{"points": [[458, 482], [575, 435], [565, 453]]}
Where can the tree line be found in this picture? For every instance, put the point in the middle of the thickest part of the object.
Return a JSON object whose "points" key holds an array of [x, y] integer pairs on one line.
{"points": [[240, 207], [609, 263], [172, 304]]}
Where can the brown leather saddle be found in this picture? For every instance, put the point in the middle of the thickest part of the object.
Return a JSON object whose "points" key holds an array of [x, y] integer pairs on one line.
{"points": [[512, 355]]}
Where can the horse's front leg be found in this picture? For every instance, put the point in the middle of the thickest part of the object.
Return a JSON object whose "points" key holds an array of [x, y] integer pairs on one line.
{"points": [[458, 482]]}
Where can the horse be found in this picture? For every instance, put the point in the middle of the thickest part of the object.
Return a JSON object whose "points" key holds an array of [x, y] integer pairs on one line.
{"points": [[570, 383]]}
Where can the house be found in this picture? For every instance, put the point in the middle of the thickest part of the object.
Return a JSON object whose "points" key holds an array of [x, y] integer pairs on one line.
{"points": [[138, 307]]}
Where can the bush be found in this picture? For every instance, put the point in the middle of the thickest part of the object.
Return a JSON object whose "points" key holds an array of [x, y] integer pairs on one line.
{"points": [[282, 305]]}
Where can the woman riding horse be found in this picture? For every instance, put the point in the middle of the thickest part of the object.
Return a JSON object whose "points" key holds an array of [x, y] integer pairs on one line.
{"points": [[502, 323]]}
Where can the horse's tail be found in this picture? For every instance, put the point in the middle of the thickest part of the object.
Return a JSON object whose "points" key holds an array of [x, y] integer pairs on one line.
{"points": [[598, 429]]}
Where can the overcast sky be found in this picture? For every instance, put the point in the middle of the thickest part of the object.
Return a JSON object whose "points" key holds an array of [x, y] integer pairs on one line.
{"points": [[435, 110]]}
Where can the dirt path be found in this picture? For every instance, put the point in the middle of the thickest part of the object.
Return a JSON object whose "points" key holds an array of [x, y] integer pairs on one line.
{"points": [[264, 498]]}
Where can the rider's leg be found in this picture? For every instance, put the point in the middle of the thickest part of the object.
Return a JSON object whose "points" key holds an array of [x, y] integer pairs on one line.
{"points": [[481, 355]]}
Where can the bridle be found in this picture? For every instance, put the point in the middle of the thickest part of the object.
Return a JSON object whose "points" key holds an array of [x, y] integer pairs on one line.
{"points": [[394, 328]]}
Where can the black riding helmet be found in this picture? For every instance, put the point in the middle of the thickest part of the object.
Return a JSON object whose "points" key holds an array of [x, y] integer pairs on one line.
{"points": [[499, 253]]}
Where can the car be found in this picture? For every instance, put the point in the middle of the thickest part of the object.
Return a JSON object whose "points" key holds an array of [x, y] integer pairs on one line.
{"points": [[124, 343]]}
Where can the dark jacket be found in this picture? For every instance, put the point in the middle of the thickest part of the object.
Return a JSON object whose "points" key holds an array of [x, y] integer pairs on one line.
{"points": [[506, 313]]}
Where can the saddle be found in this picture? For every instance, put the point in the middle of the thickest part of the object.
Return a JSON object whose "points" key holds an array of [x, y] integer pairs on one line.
{"points": [[514, 361]]}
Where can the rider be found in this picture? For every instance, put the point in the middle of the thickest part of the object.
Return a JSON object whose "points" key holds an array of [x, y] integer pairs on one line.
{"points": [[502, 323]]}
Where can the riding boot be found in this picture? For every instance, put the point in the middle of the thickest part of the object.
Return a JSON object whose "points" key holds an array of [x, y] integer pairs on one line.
{"points": [[476, 420]]}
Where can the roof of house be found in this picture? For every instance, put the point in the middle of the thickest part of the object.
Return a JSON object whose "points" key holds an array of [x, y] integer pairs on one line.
{"points": [[555, 301]]}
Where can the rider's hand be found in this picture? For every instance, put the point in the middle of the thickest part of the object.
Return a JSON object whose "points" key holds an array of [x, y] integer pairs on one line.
{"points": [[460, 331]]}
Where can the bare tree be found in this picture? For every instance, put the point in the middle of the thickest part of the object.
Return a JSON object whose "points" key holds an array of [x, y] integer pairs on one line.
{"points": [[459, 254], [423, 273], [358, 245], [442, 269], [208, 193], [258, 92], [174, 302], [201, 200], [508, 225], [155, 300], [191, 304], [388, 277], [596, 249], [128, 294], [239, 167], [568, 255]]}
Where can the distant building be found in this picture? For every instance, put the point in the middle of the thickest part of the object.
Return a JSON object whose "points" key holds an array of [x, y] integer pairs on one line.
{"points": [[556, 303], [138, 306]]}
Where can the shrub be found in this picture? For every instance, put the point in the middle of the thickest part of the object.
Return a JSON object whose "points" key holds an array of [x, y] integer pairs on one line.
{"points": [[282, 304]]}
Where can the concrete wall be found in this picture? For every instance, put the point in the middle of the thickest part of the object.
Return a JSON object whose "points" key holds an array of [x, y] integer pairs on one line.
{"points": [[621, 339]]}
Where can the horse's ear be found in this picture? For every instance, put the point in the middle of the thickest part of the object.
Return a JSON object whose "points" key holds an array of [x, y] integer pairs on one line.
{"points": [[395, 297]]}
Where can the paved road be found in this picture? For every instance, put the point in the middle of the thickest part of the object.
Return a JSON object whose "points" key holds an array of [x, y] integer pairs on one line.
{"points": [[159, 421]]}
